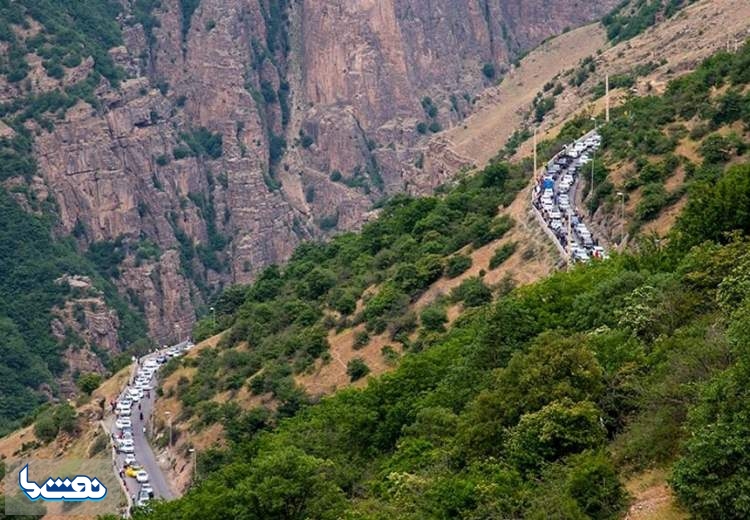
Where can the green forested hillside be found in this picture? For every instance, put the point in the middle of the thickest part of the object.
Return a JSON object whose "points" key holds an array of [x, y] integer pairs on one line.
{"points": [[31, 257], [632, 17], [287, 314], [30, 262], [536, 405]]}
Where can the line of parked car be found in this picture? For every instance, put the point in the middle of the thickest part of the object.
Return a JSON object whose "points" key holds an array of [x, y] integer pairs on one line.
{"points": [[124, 442], [554, 194]]}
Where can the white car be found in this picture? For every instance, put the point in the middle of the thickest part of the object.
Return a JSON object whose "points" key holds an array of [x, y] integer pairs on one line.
{"points": [[556, 224], [123, 422], [580, 254], [127, 448], [130, 459], [143, 498], [123, 411], [141, 476]]}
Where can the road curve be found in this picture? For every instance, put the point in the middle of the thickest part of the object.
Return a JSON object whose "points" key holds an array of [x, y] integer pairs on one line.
{"points": [[554, 197]]}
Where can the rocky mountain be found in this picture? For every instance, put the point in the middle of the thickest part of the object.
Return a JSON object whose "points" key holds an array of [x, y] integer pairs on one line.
{"points": [[240, 128], [189, 144]]}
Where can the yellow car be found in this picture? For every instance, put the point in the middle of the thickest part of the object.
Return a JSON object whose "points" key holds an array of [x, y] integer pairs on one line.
{"points": [[131, 471]]}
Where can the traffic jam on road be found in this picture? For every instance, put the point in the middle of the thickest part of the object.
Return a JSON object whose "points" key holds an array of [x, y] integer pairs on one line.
{"points": [[554, 198], [129, 415]]}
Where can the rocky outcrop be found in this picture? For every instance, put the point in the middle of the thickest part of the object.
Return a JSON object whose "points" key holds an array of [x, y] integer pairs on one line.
{"points": [[86, 327], [317, 103]]}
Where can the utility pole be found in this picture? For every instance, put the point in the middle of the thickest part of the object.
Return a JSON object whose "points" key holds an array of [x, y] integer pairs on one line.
{"points": [[169, 417], [606, 89], [535, 157], [593, 159], [195, 465], [570, 240], [622, 220]]}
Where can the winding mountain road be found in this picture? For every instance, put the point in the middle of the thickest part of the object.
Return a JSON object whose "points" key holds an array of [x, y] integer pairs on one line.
{"points": [[555, 197], [141, 419]]}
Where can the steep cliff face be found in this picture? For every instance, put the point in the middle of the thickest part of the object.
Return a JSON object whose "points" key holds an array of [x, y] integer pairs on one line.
{"points": [[87, 327], [244, 127]]}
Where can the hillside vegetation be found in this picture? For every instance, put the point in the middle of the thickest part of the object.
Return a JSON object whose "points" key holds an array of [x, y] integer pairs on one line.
{"points": [[661, 147], [370, 278], [30, 262], [538, 404], [32, 256]]}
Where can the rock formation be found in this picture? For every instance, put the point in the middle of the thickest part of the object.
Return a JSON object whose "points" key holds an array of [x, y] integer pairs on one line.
{"points": [[318, 104]]}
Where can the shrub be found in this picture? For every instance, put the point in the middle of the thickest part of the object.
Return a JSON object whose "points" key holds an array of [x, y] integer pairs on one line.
{"points": [[329, 222], [162, 160], [488, 69], [357, 369], [472, 292], [654, 199], [361, 339], [54, 420], [203, 143], [543, 107], [89, 382], [390, 355], [45, 428], [180, 153], [502, 253], [457, 265], [306, 140], [277, 146], [434, 317]]}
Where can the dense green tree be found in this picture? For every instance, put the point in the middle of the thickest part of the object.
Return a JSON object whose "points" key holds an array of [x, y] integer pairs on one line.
{"points": [[89, 382], [357, 369], [558, 429], [712, 478], [457, 265], [433, 317]]}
